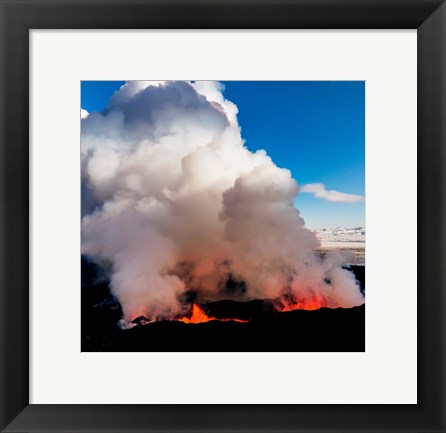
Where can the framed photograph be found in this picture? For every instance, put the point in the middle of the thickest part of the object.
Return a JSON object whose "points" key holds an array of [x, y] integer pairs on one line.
{"points": [[191, 193], [195, 239]]}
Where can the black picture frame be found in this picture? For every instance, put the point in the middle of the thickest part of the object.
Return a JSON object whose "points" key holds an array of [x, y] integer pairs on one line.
{"points": [[19, 16]]}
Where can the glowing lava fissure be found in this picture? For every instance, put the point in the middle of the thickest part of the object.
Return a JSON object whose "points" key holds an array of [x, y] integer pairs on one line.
{"points": [[199, 316], [281, 305], [312, 303]]}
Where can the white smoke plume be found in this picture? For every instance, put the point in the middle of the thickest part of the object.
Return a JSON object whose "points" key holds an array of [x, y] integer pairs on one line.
{"points": [[175, 204]]}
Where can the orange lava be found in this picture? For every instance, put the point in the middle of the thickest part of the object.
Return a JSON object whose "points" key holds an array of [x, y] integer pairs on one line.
{"points": [[313, 303], [199, 316]]}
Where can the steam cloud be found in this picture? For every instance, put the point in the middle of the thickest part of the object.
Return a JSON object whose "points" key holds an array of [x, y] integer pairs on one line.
{"points": [[176, 205]]}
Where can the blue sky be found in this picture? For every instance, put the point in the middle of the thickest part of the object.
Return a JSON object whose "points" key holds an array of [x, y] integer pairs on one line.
{"points": [[316, 129]]}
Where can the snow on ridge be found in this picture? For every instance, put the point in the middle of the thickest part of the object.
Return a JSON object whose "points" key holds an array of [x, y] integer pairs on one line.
{"points": [[342, 238], [341, 234]]}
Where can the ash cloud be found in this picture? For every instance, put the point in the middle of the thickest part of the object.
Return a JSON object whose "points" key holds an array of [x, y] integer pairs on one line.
{"points": [[175, 203]]}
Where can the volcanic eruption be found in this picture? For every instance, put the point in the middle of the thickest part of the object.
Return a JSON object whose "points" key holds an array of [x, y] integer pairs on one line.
{"points": [[180, 212]]}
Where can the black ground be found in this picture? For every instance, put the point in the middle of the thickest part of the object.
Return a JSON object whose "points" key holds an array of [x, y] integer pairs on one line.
{"points": [[323, 330]]}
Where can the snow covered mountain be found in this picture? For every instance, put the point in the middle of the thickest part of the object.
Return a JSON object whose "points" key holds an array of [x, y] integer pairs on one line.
{"points": [[342, 238], [341, 234]]}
